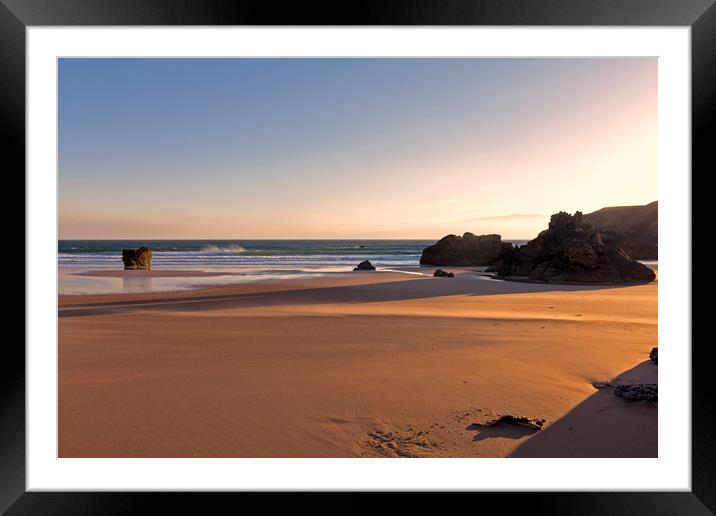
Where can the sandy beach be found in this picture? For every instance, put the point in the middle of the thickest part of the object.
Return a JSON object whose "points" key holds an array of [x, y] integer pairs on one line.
{"points": [[357, 365]]}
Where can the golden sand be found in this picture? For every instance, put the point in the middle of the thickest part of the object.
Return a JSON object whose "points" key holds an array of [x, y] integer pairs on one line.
{"points": [[353, 365]]}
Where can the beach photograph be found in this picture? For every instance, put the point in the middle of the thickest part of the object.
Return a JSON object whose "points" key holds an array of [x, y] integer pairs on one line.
{"points": [[357, 258]]}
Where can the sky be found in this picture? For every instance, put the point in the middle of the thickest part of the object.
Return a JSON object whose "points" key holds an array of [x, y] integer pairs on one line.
{"points": [[349, 148]]}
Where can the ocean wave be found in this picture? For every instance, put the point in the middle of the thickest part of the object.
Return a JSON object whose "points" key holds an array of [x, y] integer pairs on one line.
{"points": [[231, 248], [194, 255], [275, 255], [238, 262]]}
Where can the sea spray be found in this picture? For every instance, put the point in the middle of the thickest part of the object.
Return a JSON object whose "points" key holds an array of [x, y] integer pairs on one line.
{"points": [[231, 248]]}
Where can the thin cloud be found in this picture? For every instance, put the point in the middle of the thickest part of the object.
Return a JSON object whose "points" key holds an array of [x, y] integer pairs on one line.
{"points": [[514, 216]]}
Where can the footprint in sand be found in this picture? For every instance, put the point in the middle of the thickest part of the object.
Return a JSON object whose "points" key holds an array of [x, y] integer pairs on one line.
{"points": [[392, 444]]}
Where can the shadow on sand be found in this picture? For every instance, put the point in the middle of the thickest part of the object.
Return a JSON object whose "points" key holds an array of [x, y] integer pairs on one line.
{"points": [[420, 288], [603, 425]]}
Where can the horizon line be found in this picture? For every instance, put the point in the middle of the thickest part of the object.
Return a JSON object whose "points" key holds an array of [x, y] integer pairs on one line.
{"points": [[280, 238]]}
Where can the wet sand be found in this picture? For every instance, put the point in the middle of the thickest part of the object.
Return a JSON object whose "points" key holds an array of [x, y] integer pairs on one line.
{"points": [[154, 273], [356, 365]]}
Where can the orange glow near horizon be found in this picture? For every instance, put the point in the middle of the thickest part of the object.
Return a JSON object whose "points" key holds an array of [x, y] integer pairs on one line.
{"points": [[406, 166]]}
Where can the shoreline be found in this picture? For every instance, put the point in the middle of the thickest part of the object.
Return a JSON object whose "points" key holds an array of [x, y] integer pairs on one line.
{"points": [[262, 275], [180, 280], [151, 273]]}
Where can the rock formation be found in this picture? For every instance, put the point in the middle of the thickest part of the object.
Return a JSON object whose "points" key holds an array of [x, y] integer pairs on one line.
{"points": [[467, 250], [654, 355], [137, 258], [634, 228], [570, 250], [365, 265], [638, 392], [443, 274]]}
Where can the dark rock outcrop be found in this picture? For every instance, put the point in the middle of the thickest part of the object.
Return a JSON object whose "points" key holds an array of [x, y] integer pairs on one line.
{"points": [[570, 250], [365, 265], [533, 424], [638, 391], [467, 250], [137, 258], [654, 355], [635, 229], [443, 274]]}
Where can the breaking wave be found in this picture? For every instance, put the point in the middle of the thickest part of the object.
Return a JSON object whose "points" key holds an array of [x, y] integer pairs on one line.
{"points": [[231, 248]]}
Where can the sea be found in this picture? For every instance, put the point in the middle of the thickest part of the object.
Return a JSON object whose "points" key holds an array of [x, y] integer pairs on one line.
{"points": [[231, 261], [237, 261], [289, 255]]}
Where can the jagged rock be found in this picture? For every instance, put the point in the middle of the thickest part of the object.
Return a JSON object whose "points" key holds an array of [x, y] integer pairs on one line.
{"points": [[137, 258], [653, 355], [637, 391], [443, 274], [365, 265], [467, 250], [570, 250]]}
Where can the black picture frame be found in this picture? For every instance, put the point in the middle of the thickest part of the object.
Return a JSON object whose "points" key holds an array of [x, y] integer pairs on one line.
{"points": [[700, 15]]}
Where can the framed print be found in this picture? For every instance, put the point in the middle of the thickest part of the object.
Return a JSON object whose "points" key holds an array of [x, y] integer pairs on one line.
{"points": [[423, 248]]}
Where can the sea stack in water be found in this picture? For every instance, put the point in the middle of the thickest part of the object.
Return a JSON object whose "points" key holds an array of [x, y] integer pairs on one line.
{"points": [[137, 258], [467, 250], [572, 251], [365, 265]]}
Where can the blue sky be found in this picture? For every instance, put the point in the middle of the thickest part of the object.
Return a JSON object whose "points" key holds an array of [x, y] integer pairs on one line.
{"points": [[340, 148]]}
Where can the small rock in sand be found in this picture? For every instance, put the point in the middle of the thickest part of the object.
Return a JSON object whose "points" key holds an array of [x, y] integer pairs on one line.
{"points": [[443, 274], [601, 385], [637, 391], [534, 424], [365, 265], [653, 355]]}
